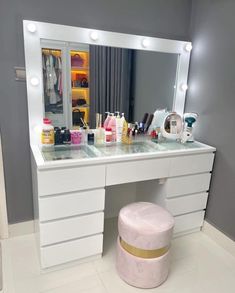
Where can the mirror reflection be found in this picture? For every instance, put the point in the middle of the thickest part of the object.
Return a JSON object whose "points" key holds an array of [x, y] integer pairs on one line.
{"points": [[81, 80]]}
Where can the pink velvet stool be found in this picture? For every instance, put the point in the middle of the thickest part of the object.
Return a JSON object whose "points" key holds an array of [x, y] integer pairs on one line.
{"points": [[145, 231]]}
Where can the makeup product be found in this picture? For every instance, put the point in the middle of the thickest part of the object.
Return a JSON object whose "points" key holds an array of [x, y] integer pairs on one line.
{"points": [[108, 135], [150, 119], [106, 121], [47, 134], [112, 125], [144, 120], [119, 126], [76, 136], [90, 138], [58, 136], [66, 137]]}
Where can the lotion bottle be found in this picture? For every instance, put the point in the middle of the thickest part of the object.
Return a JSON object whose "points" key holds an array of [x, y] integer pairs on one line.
{"points": [[119, 126], [106, 121], [112, 125]]}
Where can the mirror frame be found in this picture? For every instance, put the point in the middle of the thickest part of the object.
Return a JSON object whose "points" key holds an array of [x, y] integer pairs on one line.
{"points": [[35, 31]]}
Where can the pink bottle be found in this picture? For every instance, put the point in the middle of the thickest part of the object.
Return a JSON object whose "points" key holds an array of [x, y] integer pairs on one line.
{"points": [[112, 125], [106, 121]]}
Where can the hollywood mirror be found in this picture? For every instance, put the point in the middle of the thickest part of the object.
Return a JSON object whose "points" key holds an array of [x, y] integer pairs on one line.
{"points": [[75, 72]]}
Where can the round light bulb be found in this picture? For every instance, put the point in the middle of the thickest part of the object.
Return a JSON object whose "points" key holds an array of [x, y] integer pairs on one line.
{"points": [[184, 87], [34, 81], [94, 36], [145, 43], [188, 47], [31, 27]]}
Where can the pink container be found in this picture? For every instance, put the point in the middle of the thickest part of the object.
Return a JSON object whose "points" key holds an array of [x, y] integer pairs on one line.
{"points": [[76, 136]]}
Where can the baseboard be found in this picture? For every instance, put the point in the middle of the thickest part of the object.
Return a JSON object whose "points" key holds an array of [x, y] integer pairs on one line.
{"points": [[21, 228], [220, 238]]}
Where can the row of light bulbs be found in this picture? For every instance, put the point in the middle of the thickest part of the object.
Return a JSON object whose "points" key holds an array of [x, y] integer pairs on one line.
{"points": [[94, 37], [35, 82]]}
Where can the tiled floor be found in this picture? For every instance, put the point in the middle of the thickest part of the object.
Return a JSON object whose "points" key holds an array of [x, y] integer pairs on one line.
{"points": [[198, 265]]}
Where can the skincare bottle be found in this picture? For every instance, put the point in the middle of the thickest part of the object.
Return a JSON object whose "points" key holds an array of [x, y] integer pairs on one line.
{"points": [[119, 126], [90, 138], [106, 121], [112, 125], [100, 132], [47, 135], [108, 135], [67, 137]]}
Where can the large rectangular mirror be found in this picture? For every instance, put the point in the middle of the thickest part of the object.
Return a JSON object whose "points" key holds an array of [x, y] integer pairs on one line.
{"points": [[81, 72], [80, 80]]}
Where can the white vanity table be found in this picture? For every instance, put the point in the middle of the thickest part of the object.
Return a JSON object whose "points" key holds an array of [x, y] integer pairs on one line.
{"points": [[69, 195], [70, 189]]}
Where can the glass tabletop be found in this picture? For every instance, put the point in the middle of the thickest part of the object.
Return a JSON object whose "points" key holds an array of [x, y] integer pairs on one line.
{"points": [[66, 152]]}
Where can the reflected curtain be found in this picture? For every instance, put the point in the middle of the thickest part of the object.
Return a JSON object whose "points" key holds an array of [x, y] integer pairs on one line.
{"points": [[110, 80]]}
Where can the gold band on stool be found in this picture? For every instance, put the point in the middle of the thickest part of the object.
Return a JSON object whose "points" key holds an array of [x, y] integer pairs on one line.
{"points": [[143, 253]]}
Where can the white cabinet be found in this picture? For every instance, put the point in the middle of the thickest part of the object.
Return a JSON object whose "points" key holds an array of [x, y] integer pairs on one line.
{"points": [[70, 200]]}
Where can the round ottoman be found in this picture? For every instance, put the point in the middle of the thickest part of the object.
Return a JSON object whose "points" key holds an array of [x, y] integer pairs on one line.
{"points": [[145, 231]]}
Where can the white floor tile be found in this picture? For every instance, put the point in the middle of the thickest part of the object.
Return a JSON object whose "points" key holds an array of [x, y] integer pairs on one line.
{"points": [[198, 265]]}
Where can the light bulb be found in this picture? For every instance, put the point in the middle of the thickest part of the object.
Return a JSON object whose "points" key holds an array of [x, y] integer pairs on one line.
{"points": [[94, 36], [184, 87], [31, 27], [145, 43], [34, 81], [188, 47]]}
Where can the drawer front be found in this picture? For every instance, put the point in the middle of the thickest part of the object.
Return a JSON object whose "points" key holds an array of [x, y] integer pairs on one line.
{"points": [[191, 164], [137, 171], [70, 179], [187, 204], [187, 184], [188, 221], [70, 251], [67, 205], [72, 228]]}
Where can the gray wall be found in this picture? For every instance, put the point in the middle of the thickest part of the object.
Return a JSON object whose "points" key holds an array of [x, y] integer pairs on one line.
{"points": [[153, 83], [162, 18], [211, 94]]}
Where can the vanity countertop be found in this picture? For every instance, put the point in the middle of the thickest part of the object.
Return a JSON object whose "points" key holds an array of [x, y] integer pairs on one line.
{"points": [[69, 156]]}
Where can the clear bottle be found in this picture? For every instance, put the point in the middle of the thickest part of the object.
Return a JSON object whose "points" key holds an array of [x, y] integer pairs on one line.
{"points": [[119, 127], [47, 134]]}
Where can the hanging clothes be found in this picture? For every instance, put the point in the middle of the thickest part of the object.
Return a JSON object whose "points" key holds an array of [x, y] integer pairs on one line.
{"points": [[52, 78]]}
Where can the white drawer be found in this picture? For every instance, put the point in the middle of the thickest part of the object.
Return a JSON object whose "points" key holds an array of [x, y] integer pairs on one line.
{"points": [[70, 179], [187, 184], [187, 204], [188, 221], [71, 228], [67, 205], [72, 250], [191, 164], [137, 171]]}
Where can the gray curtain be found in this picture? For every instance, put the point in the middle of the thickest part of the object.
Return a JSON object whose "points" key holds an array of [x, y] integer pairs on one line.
{"points": [[110, 80]]}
